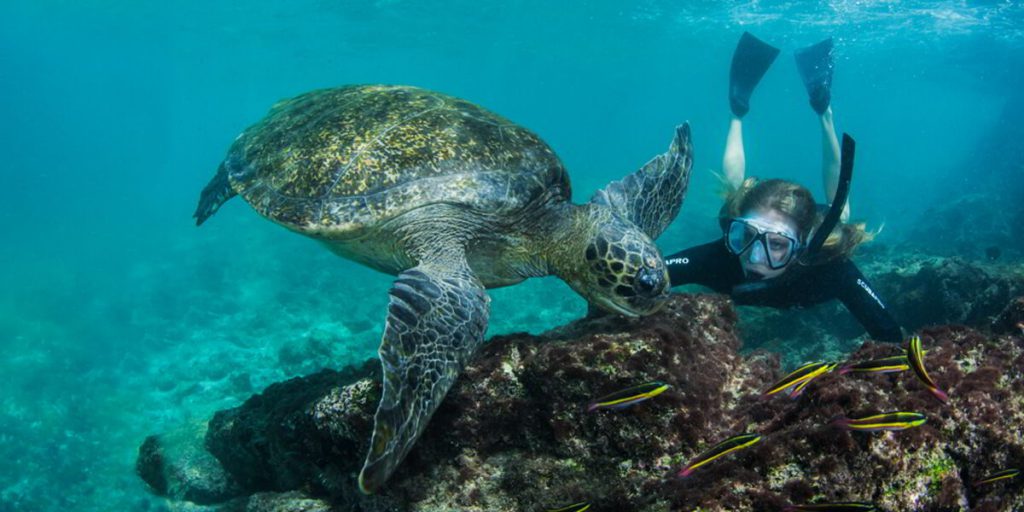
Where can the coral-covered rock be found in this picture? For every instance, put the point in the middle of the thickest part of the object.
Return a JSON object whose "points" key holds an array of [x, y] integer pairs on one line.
{"points": [[278, 502], [176, 465], [514, 434], [306, 432]]}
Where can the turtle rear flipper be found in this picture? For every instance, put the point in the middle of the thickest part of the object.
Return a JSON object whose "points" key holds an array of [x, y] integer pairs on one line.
{"points": [[437, 316], [214, 194], [652, 196]]}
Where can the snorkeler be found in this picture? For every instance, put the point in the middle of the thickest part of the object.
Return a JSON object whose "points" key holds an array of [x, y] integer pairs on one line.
{"points": [[779, 249]]}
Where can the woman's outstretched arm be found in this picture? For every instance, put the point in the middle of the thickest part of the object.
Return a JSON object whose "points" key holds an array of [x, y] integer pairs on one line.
{"points": [[830, 160], [734, 162]]}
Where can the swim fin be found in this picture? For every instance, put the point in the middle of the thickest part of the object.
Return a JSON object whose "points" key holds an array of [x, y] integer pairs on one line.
{"points": [[815, 65], [750, 62]]}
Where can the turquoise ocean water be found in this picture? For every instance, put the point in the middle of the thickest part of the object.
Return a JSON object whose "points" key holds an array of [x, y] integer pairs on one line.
{"points": [[119, 318]]}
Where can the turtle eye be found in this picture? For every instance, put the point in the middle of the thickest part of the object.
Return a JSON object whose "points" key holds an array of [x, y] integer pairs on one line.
{"points": [[649, 282]]}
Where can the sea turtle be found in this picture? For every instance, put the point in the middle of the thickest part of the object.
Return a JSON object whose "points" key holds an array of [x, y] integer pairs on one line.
{"points": [[452, 199]]}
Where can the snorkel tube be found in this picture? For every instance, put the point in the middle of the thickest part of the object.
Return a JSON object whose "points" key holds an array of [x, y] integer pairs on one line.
{"points": [[838, 203]]}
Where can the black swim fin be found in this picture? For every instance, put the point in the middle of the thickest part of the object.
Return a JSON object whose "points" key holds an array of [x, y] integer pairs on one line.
{"points": [[750, 62], [815, 65]]}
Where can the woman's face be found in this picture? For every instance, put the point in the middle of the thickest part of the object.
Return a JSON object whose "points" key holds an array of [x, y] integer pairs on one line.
{"points": [[754, 260]]}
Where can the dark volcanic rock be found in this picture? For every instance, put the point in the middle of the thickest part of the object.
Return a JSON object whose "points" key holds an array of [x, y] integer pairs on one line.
{"points": [[513, 434], [278, 502], [966, 225], [176, 465], [920, 290], [301, 433], [150, 465], [926, 291], [1011, 320]]}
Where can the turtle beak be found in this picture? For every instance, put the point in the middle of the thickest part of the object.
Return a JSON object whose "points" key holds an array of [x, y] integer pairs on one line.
{"points": [[609, 305]]}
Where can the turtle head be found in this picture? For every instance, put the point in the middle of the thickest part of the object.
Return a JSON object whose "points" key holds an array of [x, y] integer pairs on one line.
{"points": [[617, 267]]}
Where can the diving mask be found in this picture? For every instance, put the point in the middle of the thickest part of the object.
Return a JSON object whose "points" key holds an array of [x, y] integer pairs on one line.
{"points": [[777, 248]]}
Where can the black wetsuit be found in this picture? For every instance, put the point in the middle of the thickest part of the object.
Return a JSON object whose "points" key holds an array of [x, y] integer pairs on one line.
{"points": [[712, 265]]}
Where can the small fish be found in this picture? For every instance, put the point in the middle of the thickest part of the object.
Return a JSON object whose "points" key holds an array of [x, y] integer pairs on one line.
{"points": [[628, 396], [888, 421], [798, 376], [999, 475], [841, 506], [885, 365], [728, 446], [799, 389], [916, 358], [993, 253], [575, 507]]}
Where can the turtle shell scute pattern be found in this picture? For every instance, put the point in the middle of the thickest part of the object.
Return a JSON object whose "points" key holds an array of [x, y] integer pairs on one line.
{"points": [[341, 159]]}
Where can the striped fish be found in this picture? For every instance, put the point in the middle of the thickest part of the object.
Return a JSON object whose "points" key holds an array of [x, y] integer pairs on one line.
{"points": [[888, 421], [799, 376], [799, 389], [575, 507], [999, 475], [848, 506], [725, 447], [628, 396], [892, 364], [915, 355]]}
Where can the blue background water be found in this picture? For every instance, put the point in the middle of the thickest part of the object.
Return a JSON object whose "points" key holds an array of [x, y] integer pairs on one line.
{"points": [[118, 318]]}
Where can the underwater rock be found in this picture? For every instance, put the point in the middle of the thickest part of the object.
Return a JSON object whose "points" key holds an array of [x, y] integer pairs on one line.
{"points": [[176, 466], [288, 436], [925, 291], [277, 502], [150, 465], [513, 434], [1011, 320], [920, 290]]}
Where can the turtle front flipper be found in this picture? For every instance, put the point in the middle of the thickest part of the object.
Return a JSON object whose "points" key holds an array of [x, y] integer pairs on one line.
{"points": [[436, 320], [214, 194], [652, 196]]}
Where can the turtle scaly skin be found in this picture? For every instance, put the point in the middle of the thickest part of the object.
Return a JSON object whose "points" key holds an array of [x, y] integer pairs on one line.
{"points": [[452, 199]]}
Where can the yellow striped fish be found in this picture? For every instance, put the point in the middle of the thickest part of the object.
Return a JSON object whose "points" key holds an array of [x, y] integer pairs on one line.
{"points": [[999, 475], [628, 396], [575, 507], [915, 355], [799, 389], [725, 447], [888, 421], [849, 506], [884, 365], [799, 376]]}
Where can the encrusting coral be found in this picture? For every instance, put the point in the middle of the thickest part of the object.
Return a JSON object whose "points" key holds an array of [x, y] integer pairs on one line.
{"points": [[514, 433]]}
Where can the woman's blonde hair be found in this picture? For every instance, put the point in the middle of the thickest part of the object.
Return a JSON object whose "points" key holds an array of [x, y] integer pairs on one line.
{"points": [[797, 203]]}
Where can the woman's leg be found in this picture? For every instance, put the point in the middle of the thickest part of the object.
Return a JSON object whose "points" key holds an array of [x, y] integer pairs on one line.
{"points": [[734, 162], [830, 160]]}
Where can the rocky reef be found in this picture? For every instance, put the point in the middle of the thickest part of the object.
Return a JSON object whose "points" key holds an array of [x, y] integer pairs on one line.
{"points": [[514, 435], [920, 289]]}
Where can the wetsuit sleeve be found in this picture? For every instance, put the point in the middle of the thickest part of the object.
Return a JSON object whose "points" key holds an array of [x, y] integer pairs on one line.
{"points": [[864, 303], [708, 265]]}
